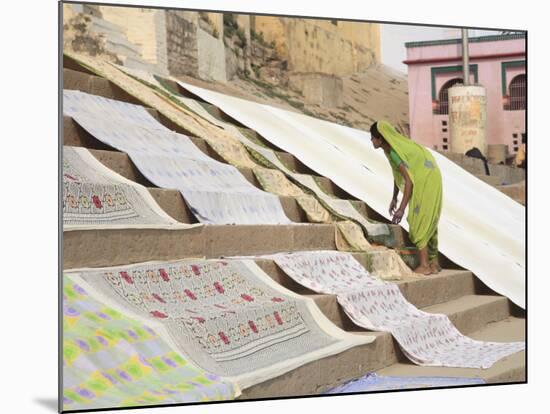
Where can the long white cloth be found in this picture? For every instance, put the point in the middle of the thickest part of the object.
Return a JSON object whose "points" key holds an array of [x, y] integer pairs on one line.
{"points": [[217, 193], [480, 228], [426, 338]]}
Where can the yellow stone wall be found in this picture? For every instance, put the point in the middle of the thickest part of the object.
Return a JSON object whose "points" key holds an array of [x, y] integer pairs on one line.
{"points": [[273, 29], [312, 45], [144, 27], [217, 22]]}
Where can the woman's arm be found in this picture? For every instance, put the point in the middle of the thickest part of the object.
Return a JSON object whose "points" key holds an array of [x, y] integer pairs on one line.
{"points": [[393, 204], [395, 190], [406, 194]]}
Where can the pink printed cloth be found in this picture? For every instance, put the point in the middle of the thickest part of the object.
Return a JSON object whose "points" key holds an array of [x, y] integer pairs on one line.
{"points": [[426, 338]]}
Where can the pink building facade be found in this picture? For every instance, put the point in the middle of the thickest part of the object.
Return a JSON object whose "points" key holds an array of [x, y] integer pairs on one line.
{"points": [[496, 62]]}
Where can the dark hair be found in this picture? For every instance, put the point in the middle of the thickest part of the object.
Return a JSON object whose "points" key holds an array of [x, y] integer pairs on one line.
{"points": [[374, 131]]}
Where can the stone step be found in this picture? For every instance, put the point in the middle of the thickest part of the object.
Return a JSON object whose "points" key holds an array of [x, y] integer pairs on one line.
{"points": [[384, 353], [111, 247], [75, 135], [509, 369], [468, 313], [315, 377], [421, 291], [514, 191], [77, 80], [490, 179]]}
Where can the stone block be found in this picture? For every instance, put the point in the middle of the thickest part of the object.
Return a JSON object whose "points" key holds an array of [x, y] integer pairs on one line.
{"points": [[319, 89]]}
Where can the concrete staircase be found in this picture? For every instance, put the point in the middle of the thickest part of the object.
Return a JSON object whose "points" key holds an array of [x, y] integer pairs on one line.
{"points": [[473, 307]]}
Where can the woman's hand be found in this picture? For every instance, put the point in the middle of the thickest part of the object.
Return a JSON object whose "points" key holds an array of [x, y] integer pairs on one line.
{"points": [[393, 206], [398, 216]]}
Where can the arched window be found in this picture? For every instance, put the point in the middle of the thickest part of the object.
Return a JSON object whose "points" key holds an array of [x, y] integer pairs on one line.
{"points": [[517, 92], [443, 102]]}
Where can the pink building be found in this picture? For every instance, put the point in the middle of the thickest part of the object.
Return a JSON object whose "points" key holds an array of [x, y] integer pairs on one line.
{"points": [[496, 62]]}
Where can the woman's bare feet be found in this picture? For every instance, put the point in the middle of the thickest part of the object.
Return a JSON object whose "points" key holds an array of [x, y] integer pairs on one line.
{"points": [[424, 270], [435, 268]]}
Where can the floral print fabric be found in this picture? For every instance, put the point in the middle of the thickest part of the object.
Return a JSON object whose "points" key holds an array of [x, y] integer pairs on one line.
{"points": [[426, 339]]}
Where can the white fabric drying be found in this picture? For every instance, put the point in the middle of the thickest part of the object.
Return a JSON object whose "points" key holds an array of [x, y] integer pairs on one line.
{"points": [[480, 228]]}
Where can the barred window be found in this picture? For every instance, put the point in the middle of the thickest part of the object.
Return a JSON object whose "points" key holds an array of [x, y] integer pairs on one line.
{"points": [[443, 102], [517, 93]]}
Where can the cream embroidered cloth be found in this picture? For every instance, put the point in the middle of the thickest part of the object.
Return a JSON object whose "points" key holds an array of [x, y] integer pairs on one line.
{"points": [[217, 193], [95, 197], [228, 317], [426, 339]]}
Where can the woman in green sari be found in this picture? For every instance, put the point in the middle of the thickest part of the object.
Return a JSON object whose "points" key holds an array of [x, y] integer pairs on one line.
{"points": [[417, 175]]}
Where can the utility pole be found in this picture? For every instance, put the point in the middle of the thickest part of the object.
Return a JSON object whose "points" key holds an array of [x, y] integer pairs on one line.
{"points": [[465, 58]]}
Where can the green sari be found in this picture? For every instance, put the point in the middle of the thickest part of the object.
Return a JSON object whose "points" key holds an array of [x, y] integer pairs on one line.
{"points": [[426, 198]]}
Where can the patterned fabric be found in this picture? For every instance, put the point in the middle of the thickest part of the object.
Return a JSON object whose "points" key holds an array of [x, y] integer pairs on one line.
{"points": [[217, 193], [387, 265], [223, 143], [314, 210], [375, 382], [342, 208], [382, 263], [274, 181], [426, 339], [350, 238], [110, 360], [229, 318], [96, 197]]}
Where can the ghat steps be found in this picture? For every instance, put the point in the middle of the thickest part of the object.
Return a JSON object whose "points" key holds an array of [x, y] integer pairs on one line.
{"points": [[474, 308]]}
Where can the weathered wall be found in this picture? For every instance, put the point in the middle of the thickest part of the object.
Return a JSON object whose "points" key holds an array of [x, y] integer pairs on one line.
{"points": [[145, 28], [181, 42], [211, 56], [273, 29], [323, 90], [321, 46]]}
